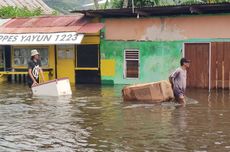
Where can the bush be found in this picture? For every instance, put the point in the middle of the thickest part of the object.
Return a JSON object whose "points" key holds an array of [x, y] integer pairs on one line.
{"points": [[11, 12], [117, 3]]}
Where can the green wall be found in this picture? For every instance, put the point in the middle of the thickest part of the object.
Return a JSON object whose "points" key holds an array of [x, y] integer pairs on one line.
{"points": [[157, 59]]}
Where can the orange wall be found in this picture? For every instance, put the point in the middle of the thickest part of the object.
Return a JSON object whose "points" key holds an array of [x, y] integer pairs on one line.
{"points": [[168, 28]]}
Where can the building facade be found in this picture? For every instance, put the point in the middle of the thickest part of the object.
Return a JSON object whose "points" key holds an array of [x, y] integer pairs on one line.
{"points": [[123, 46], [146, 45], [63, 42]]}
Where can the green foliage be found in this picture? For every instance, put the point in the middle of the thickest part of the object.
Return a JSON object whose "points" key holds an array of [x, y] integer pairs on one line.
{"points": [[64, 6], [105, 5], [11, 12], [144, 3], [202, 1], [117, 3], [150, 3], [55, 13], [216, 1]]}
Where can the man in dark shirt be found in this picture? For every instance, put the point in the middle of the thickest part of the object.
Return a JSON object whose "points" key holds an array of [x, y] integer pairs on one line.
{"points": [[34, 68]]}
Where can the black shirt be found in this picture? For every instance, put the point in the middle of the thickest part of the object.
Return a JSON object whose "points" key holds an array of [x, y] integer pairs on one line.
{"points": [[35, 68]]}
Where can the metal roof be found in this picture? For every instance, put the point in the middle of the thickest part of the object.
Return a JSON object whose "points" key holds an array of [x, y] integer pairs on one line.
{"points": [[30, 4], [160, 10], [51, 24], [91, 28]]}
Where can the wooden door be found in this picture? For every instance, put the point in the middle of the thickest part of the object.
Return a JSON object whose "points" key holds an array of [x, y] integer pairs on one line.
{"points": [[198, 73], [220, 65]]}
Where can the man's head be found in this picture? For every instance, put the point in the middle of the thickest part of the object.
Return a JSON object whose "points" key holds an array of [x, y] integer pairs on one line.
{"points": [[185, 62], [34, 54]]}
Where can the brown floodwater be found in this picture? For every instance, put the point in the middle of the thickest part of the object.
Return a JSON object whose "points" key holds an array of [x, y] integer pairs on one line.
{"points": [[95, 118]]}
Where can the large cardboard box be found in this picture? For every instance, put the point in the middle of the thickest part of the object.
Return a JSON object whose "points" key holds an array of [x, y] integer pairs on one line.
{"points": [[149, 92], [57, 87]]}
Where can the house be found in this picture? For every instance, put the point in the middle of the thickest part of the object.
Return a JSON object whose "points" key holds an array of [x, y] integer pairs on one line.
{"points": [[68, 46], [146, 44]]}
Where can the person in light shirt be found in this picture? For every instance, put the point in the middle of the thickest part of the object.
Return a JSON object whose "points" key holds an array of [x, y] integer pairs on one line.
{"points": [[178, 79]]}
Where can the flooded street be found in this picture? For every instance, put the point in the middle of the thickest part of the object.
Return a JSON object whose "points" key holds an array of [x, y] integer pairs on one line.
{"points": [[95, 118]]}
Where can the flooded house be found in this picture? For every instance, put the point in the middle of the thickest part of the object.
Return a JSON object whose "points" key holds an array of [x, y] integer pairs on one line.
{"points": [[122, 46], [68, 47], [30, 5], [145, 44]]}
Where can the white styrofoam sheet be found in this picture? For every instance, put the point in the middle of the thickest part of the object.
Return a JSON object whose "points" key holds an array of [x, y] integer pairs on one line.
{"points": [[57, 87]]}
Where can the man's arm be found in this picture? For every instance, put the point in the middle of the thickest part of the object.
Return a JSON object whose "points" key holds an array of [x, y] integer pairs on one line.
{"points": [[41, 71], [42, 74], [173, 76]]}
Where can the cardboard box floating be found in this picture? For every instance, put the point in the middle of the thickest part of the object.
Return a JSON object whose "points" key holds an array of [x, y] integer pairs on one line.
{"points": [[57, 87], [149, 92]]}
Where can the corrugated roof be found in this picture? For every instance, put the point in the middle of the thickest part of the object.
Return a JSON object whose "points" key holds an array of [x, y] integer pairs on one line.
{"points": [[30, 4], [160, 10], [91, 28], [46, 21], [51, 24]]}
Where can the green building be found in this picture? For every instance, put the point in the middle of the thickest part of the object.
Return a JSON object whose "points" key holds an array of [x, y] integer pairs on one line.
{"points": [[146, 44]]}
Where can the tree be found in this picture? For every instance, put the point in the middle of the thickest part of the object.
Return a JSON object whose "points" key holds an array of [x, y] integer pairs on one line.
{"points": [[150, 3], [216, 1], [106, 4], [96, 4], [10, 12], [117, 4]]}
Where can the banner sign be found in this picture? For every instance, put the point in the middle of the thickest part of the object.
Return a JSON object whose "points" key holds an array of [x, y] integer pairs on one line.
{"points": [[41, 38]]}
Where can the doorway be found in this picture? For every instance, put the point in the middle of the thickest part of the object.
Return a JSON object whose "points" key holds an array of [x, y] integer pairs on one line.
{"points": [[65, 62], [220, 65], [87, 64], [198, 73]]}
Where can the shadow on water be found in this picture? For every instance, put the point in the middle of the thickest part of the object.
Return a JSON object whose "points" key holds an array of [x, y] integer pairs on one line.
{"points": [[95, 118]]}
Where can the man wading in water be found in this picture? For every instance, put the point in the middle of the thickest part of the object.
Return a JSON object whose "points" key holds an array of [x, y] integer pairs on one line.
{"points": [[34, 68], [178, 80]]}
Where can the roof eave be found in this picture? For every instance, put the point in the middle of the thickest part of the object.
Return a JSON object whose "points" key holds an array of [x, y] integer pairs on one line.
{"points": [[160, 10]]}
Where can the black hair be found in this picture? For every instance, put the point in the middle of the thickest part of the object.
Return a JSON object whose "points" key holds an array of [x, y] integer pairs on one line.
{"points": [[184, 60], [181, 62]]}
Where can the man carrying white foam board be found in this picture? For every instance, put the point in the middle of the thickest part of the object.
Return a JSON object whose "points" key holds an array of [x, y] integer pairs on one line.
{"points": [[34, 68]]}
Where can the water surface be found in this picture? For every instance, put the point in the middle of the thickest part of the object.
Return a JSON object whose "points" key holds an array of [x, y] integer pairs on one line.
{"points": [[95, 118]]}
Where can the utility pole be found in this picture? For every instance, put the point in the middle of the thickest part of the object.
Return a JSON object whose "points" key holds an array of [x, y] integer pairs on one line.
{"points": [[133, 6]]}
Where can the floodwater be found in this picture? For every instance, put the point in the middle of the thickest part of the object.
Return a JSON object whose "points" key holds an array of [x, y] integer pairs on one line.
{"points": [[95, 118]]}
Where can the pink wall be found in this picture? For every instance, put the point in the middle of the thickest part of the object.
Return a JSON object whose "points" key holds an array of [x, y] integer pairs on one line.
{"points": [[168, 28]]}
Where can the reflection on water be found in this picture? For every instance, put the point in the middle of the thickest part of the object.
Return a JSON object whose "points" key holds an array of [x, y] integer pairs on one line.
{"points": [[95, 118]]}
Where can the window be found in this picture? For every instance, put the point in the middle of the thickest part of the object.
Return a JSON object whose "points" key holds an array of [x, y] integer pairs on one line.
{"points": [[21, 55], [65, 51], [131, 63], [87, 56]]}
